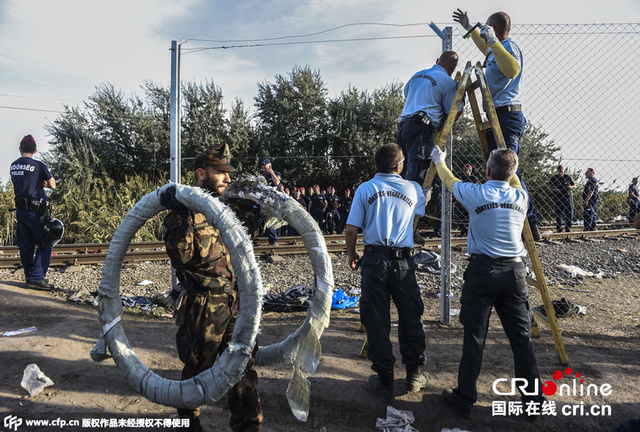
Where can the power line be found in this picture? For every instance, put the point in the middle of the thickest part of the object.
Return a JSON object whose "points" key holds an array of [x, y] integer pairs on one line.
{"points": [[310, 34], [30, 109], [193, 50]]}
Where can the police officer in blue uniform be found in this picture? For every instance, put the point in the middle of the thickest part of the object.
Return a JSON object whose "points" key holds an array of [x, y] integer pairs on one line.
{"points": [[634, 199], [590, 198], [429, 95], [345, 208], [274, 179], [384, 208], [503, 70], [561, 184], [332, 214], [317, 206], [495, 277], [29, 178]]}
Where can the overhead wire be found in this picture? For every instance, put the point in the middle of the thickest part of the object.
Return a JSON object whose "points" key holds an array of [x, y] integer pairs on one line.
{"points": [[309, 34]]}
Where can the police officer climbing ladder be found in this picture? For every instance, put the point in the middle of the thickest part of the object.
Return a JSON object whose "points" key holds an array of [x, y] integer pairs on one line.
{"points": [[465, 84]]}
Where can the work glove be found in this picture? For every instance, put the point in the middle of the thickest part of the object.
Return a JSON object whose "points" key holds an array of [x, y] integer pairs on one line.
{"points": [[437, 155], [169, 200], [463, 19], [172, 299], [427, 193], [488, 35]]}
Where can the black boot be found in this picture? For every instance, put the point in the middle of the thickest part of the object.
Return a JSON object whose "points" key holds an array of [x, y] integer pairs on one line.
{"points": [[382, 384], [454, 399], [416, 379], [535, 231]]}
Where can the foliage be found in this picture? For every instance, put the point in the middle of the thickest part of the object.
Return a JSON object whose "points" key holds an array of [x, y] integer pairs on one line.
{"points": [[7, 217], [292, 124], [112, 150], [92, 212]]}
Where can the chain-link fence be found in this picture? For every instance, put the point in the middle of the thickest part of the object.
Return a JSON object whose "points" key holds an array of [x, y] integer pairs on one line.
{"points": [[580, 99]]}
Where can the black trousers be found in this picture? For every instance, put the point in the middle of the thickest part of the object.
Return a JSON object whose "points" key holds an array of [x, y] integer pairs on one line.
{"points": [[416, 140], [384, 278], [501, 285]]}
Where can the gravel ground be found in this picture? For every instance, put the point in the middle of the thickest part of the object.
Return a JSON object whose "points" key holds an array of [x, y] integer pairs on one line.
{"points": [[612, 297]]}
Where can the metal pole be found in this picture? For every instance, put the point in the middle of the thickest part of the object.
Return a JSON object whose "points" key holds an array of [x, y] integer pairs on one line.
{"points": [[445, 257], [175, 162], [176, 174]]}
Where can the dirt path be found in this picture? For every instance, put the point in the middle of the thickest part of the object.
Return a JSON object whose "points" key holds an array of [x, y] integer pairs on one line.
{"points": [[340, 399]]}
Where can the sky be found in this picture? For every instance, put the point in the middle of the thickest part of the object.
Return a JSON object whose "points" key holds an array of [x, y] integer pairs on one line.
{"points": [[56, 53]]}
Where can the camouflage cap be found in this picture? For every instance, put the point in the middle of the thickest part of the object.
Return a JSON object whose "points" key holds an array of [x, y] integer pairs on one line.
{"points": [[218, 157]]}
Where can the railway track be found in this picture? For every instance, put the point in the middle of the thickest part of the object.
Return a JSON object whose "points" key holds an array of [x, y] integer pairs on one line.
{"points": [[95, 253]]}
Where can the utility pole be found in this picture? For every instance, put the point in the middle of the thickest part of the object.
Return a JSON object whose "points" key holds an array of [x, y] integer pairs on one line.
{"points": [[175, 162], [176, 149], [447, 198]]}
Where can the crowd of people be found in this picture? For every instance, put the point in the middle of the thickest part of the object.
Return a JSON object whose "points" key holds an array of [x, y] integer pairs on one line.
{"points": [[329, 210]]}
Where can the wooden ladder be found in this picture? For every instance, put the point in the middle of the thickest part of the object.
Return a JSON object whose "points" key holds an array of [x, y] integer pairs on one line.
{"points": [[465, 84]]}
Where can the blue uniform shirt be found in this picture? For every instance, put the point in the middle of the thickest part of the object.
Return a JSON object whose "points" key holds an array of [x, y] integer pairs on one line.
{"points": [[270, 182], [591, 185], [496, 217], [504, 91], [431, 91], [384, 207], [27, 175]]}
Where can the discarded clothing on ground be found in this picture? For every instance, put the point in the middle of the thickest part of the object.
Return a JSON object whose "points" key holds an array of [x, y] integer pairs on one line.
{"points": [[396, 421], [292, 300], [576, 271], [430, 262], [563, 308], [140, 301], [341, 300]]}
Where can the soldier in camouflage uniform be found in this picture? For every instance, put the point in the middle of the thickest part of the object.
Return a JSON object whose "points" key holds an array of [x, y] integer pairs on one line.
{"points": [[207, 310]]}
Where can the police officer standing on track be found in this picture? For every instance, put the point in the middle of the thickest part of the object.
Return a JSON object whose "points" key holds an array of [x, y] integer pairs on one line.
{"points": [[274, 179], [317, 206], [495, 277], [345, 208], [633, 199], [207, 310], [561, 184], [384, 208], [590, 198], [503, 70], [29, 178]]}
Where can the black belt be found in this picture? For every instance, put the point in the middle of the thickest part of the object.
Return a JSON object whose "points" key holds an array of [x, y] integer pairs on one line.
{"points": [[31, 204], [394, 252], [420, 117], [484, 257], [508, 108]]}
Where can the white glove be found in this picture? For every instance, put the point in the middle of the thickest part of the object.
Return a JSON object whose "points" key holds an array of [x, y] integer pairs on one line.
{"points": [[488, 35], [437, 155]]}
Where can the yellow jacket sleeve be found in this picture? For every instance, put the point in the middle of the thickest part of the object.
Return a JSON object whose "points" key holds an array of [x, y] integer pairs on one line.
{"points": [[480, 43], [507, 64], [446, 176]]}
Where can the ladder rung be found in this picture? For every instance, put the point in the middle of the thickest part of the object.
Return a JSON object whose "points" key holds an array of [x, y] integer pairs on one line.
{"points": [[541, 317], [532, 282], [485, 126]]}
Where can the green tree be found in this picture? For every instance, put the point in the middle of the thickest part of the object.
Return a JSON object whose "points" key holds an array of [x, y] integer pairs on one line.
{"points": [[203, 123], [240, 139], [292, 122]]}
